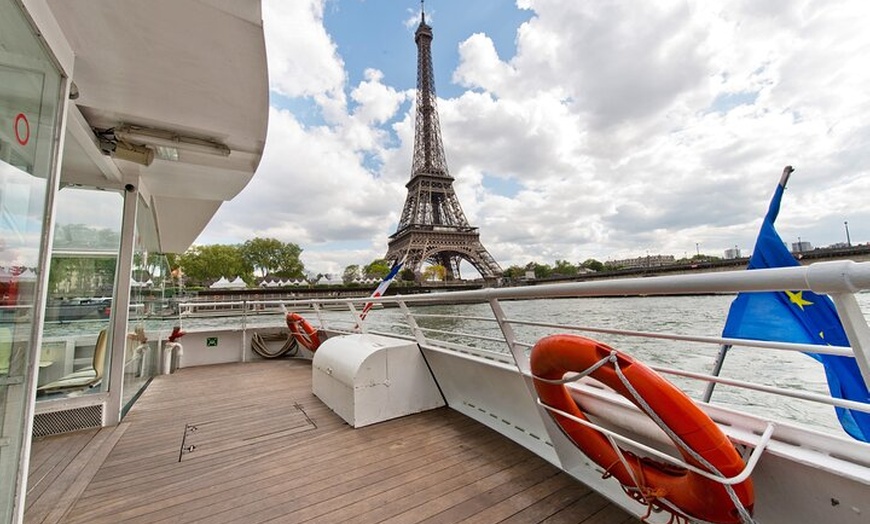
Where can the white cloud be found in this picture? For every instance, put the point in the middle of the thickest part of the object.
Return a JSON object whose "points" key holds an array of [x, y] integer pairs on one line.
{"points": [[302, 57], [623, 127]]}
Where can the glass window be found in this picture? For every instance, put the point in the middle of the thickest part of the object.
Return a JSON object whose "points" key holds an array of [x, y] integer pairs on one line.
{"points": [[80, 285], [30, 94]]}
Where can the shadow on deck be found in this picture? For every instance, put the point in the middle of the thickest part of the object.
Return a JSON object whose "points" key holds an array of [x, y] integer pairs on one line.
{"points": [[251, 443]]}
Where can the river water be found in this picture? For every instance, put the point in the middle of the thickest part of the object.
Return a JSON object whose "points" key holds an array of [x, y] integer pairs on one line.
{"points": [[684, 315]]}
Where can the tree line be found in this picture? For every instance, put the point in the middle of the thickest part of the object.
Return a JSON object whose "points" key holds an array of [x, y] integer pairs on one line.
{"points": [[564, 268], [270, 258], [255, 259]]}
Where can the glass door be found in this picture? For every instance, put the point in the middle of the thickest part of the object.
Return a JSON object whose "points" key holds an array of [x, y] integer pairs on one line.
{"points": [[30, 94]]}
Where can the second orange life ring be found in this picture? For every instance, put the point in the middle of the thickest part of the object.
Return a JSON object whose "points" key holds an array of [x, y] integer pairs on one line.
{"points": [[303, 332], [659, 486]]}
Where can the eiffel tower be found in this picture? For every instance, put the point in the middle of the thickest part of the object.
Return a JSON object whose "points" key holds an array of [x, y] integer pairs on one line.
{"points": [[433, 227]]}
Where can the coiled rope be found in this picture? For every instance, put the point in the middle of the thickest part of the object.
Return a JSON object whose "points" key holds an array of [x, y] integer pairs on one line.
{"points": [[260, 347]]}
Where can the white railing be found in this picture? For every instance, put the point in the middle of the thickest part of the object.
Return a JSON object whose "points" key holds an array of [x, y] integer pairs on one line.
{"points": [[497, 339], [489, 333]]}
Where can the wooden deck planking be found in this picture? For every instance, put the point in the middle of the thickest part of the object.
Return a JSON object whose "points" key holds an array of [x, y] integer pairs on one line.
{"points": [[267, 450], [50, 458]]}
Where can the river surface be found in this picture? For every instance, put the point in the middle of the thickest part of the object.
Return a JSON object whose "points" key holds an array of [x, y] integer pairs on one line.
{"points": [[684, 315]]}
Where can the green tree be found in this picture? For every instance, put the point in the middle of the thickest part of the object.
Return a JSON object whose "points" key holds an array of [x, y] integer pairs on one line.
{"points": [[81, 276], [564, 268], [435, 272], [351, 273], [269, 256], [541, 270], [203, 265], [407, 274], [594, 265], [514, 272], [146, 267], [378, 268]]}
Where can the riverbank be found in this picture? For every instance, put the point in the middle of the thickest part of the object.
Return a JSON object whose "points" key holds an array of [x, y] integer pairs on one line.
{"points": [[855, 253]]}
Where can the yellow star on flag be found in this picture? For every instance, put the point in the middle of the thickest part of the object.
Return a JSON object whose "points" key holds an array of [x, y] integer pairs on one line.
{"points": [[797, 298]]}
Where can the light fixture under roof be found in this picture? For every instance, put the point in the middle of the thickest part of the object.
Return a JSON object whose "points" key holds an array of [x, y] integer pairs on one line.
{"points": [[168, 143], [111, 146], [133, 153]]}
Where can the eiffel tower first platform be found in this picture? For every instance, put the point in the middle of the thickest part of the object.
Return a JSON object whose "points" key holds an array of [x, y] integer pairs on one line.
{"points": [[433, 229]]}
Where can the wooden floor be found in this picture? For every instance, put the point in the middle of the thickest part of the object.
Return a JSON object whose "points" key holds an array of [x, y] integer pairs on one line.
{"points": [[251, 443]]}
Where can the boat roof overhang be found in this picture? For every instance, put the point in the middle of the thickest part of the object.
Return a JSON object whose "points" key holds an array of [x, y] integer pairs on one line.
{"points": [[194, 69]]}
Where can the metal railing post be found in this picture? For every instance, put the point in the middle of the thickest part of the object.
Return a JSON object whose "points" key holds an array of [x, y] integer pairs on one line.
{"points": [[360, 321], [510, 338], [857, 330], [717, 368], [415, 329]]}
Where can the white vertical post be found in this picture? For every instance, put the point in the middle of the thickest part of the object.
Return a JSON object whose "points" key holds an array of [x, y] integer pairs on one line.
{"points": [[415, 329], [856, 329], [360, 322], [121, 306], [509, 337]]}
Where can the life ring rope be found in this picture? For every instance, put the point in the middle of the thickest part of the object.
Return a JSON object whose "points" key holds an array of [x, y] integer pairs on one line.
{"points": [[651, 413], [574, 377], [304, 333], [564, 363]]}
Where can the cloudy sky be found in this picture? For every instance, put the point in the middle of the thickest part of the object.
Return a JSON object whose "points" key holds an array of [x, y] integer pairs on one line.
{"points": [[574, 130]]}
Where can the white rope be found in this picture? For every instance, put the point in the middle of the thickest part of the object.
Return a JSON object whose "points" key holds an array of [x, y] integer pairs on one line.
{"points": [[574, 377], [744, 514], [625, 463]]}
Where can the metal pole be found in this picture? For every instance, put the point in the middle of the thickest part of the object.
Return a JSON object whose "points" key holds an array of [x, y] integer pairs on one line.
{"points": [[848, 239], [717, 368]]}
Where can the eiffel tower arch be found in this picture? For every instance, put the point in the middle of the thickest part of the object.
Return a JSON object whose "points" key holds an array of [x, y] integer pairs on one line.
{"points": [[433, 228]]}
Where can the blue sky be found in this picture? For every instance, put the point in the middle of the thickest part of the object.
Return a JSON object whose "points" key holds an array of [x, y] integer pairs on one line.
{"points": [[380, 34], [573, 130]]}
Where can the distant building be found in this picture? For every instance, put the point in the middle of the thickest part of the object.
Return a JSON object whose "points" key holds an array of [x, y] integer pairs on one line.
{"points": [[642, 262], [732, 252], [800, 247]]}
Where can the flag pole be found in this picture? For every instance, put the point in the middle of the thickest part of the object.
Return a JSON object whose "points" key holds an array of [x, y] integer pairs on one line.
{"points": [[723, 349]]}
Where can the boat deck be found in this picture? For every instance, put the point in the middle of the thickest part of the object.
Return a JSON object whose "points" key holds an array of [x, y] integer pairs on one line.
{"points": [[251, 443]]}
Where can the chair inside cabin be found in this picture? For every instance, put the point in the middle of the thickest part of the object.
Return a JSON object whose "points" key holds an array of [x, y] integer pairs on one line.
{"points": [[84, 378]]}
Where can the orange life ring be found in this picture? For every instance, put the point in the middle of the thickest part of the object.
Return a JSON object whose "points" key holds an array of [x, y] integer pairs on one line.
{"points": [[303, 332], [659, 486]]}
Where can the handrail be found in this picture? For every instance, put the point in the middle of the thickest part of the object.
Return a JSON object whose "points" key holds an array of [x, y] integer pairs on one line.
{"points": [[840, 279], [844, 276], [768, 344], [792, 393]]}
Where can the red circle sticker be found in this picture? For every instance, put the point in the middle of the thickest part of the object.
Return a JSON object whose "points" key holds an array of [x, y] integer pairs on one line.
{"points": [[22, 135]]}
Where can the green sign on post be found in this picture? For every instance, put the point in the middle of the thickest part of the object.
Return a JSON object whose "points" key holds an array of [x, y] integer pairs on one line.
{"points": [[211, 342]]}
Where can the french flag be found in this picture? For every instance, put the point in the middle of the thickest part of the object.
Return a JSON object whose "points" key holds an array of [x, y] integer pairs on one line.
{"points": [[382, 287]]}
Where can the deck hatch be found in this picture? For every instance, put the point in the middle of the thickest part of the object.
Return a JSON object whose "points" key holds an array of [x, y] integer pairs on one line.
{"points": [[202, 438]]}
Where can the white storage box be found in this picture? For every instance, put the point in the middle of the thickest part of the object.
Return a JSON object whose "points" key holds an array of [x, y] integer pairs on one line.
{"points": [[370, 378]]}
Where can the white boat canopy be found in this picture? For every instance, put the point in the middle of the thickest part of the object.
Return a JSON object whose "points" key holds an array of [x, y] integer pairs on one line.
{"points": [[163, 100]]}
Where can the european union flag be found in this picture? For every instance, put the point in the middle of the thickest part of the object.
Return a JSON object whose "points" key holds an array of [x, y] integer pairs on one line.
{"points": [[800, 317]]}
